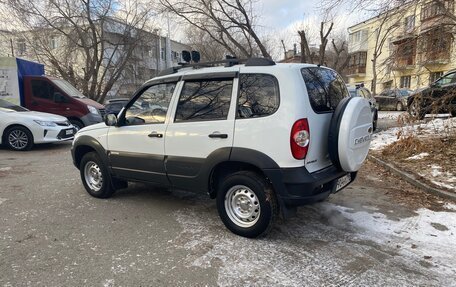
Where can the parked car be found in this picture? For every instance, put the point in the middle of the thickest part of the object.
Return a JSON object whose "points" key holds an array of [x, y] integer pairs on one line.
{"points": [[20, 128], [393, 99], [361, 91], [114, 106], [439, 97], [255, 137]]}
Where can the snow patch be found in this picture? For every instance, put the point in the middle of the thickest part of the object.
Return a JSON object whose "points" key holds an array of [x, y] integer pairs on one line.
{"points": [[418, 156], [5, 168], [2, 200]]}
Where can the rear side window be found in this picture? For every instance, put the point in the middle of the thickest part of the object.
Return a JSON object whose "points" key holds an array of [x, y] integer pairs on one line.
{"points": [[204, 100], [325, 88], [258, 96]]}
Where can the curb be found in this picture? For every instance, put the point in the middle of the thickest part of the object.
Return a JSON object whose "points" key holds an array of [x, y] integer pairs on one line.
{"points": [[412, 179]]}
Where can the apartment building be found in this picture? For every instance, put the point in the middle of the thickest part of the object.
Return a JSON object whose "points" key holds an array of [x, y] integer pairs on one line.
{"points": [[411, 45]]}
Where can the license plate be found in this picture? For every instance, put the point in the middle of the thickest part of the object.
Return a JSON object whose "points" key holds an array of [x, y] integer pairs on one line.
{"points": [[69, 132], [343, 182]]}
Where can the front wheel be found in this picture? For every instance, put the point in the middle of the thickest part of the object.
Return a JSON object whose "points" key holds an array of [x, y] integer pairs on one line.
{"points": [[399, 107], [77, 124], [19, 138], [95, 176], [416, 111], [246, 204]]}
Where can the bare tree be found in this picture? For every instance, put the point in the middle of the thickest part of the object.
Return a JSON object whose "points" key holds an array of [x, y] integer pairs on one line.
{"points": [[230, 23], [86, 42], [323, 41]]}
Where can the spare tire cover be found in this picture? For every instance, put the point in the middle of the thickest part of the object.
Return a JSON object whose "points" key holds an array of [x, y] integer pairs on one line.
{"points": [[350, 133]]}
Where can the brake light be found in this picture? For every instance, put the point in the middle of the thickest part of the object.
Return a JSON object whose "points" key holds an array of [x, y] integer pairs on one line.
{"points": [[300, 139]]}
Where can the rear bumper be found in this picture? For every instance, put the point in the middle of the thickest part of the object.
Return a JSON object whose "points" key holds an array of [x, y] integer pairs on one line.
{"points": [[296, 186]]}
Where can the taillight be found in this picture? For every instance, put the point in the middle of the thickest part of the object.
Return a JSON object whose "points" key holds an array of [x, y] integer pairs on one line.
{"points": [[300, 138]]}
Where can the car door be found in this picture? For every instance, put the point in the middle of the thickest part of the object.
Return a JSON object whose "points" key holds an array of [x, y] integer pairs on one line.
{"points": [[201, 129], [136, 146]]}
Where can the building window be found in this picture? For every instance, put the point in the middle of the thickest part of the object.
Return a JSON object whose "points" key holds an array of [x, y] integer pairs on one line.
{"points": [[409, 23], [21, 47], [433, 76], [162, 53], [53, 42], [405, 81]]}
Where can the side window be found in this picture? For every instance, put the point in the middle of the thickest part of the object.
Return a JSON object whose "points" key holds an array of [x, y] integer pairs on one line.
{"points": [[43, 90], [448, 79], [204, 100], [258, 95], [151, 107], [325, 88]]}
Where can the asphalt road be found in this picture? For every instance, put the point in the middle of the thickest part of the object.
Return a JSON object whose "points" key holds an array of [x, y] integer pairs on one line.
{"points": [[52, 233]]}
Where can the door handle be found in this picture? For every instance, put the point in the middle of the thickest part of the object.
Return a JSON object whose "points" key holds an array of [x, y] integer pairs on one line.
{"points": [[218, 135], [155, 135]]}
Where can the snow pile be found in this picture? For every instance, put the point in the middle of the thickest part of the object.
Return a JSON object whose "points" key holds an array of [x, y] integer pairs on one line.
{"points": [[435, 127]]}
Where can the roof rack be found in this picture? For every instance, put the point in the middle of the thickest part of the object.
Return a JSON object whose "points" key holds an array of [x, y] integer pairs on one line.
{"points": [[227, 63]]}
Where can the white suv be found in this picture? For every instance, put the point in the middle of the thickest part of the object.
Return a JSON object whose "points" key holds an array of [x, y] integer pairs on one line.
{"points": [[261, 138]]}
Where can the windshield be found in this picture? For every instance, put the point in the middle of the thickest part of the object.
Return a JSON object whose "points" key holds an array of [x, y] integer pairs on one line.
{"points": [[68, 88], [7, 105]]}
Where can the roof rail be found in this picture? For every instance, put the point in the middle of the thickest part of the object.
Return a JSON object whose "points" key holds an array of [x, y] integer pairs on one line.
{"points": [[227, 63]]}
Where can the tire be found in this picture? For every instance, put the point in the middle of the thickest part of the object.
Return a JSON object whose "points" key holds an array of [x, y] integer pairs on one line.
{"points": [[416, 111], [246, 204], [95, 176], [77, 124], [399, 107], [18, 138]]}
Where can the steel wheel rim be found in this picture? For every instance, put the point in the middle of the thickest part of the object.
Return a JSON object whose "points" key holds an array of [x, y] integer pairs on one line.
{"points": [[18, 139], [93, 176], [242, 206]]}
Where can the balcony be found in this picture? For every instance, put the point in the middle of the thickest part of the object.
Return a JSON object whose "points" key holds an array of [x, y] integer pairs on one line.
{"points": [[435, 46], [436, 13], [404, 55], [402, 63]]}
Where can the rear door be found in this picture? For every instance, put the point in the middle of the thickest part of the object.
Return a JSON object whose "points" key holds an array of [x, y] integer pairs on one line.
{"points": [[203, 123], [325, 89]]}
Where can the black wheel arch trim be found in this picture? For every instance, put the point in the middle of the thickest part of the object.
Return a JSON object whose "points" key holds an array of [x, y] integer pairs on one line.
{"points": [[91, 143]]}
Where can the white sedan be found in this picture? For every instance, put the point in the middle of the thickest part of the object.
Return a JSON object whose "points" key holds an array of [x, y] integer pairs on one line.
{"points": [[20, 128]]}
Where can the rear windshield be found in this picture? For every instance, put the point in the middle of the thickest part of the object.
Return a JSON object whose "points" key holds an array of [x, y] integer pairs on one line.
{"points": [[325, 88]]}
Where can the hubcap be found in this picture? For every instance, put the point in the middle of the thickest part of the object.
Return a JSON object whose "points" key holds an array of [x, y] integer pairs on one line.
{"points": [[242, 206], [93, 176], [18, 139]]}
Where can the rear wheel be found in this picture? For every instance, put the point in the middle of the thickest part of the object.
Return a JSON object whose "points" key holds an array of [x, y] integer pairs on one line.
{"points": [[246, 204], [18, 138], [95, 176]]}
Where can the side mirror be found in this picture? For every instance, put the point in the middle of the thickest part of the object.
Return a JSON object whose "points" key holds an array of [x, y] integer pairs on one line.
{"points": [[111, 120], [59, 98]]}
